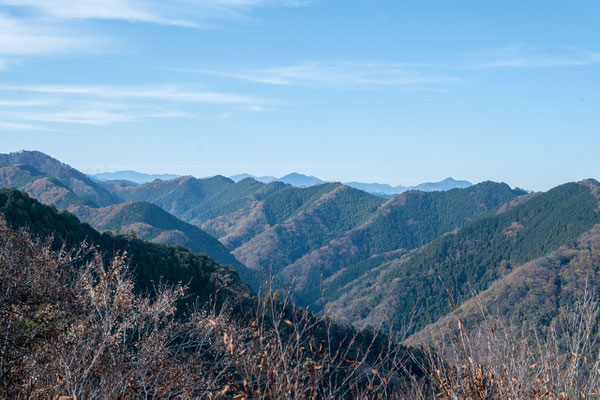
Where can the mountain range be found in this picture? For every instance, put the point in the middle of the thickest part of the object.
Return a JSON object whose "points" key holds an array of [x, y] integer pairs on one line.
{"points": [[294, 179], [363, 258], [132, 176], [378, 189], [57, 184]]}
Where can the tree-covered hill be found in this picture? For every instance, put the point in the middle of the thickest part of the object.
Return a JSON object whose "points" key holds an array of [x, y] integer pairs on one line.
{"points": [[146, 220], [536, 292], [398, 226], [72, 179], [197, 200], [152, 223], [45, 188], [333, 229], [413, 289], [151, 263]]}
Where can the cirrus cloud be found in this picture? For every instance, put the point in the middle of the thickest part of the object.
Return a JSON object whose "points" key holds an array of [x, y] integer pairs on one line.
{"points": [[49, 105], [188, 13], [339, 74]]}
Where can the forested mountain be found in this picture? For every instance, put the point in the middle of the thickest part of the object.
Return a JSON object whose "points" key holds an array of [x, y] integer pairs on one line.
{"points": [[414, 289], [536, 292], [145, 220], [151, 263], [132, 319], [378, 189], [196, 200], [152, 223], [366, 258], [398, 226], [72, 179], [43, 187], [299, 233]]}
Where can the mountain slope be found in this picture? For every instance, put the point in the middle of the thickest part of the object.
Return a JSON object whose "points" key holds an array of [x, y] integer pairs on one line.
{"points": [[77, 182], [535, 292], [470, 259], [400, 225], [45, 188], [197, 200], [297, 233], [301, 220], [148, 221], [150, 262], [151, 223]]}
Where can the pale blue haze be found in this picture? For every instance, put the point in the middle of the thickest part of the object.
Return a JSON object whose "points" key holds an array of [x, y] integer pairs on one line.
{"points": [[387, 91]]}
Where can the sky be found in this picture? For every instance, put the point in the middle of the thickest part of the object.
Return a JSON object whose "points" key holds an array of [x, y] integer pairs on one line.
{"points": [[389, 91]]}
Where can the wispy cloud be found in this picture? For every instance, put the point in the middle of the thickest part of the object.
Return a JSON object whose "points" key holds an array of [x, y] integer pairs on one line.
{"points": [[255, 108], [22, 37], [172, 93], [340, 74], [49, 27], [189, 13], [524, 56], [21, 127], [103, 105]]}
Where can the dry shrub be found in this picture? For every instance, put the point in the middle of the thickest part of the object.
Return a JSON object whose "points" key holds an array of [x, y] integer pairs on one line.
{"points": [[513, 360], [74, 326]]}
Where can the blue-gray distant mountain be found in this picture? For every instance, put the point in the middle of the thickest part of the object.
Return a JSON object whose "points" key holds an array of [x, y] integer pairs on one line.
{"points": [[295, 179], [446, 184], [378, 189], [262, 179], [300, 180], [132, 176]]}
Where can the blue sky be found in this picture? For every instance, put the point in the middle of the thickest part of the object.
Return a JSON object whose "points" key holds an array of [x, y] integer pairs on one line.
{"points": [[381, 90]]}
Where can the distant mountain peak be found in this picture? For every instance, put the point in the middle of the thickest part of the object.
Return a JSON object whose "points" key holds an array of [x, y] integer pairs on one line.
{"points": [[378, 189], [300, 180], [132, 176]]}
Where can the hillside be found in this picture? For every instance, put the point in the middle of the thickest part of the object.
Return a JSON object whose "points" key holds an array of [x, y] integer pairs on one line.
{"points": [[93, 325], [151, 223], [536, 292], [146, 220], [299, 233], [398, 226], [45, 188], [151, 263], [470, 259], [77, 182], [197, 200], [368, 259]]}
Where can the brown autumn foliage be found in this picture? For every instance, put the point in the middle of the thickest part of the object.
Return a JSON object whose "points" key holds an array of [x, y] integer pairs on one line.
{"points": [[508, 359], [79, 329]]}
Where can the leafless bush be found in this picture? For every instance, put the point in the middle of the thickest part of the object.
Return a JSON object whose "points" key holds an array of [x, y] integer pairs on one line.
{"points": [[85, 332], [504, 359]]}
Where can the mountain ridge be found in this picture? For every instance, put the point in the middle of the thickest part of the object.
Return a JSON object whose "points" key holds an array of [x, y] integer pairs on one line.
{"points": [[76, 181], [144, 219], [475, 253]]}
